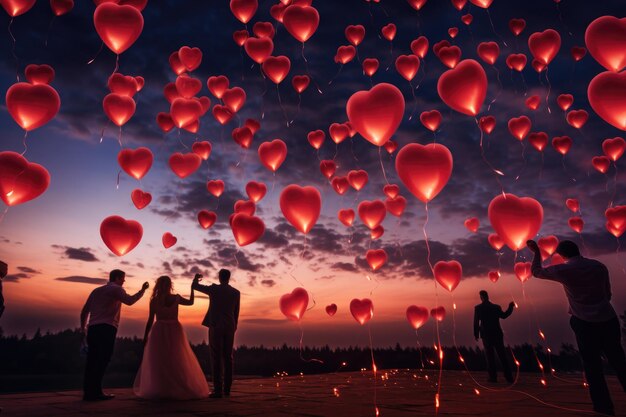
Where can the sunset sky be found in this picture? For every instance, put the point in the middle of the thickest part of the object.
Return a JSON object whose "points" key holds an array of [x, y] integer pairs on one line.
{"points": [[53, 246]]}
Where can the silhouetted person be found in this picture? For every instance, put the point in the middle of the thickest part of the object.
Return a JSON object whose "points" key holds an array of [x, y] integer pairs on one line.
{"points": [[487, 324], [3, 273], [594, 322], [221, 319], [103, 309]]}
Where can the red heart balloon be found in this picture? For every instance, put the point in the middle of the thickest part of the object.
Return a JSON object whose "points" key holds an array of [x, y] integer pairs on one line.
{"points": [[187, 86], [605, 38], [417, 4], [487, 124], [301, 21], [206, 218], [170, 92], [516, 62], [372, 213], [482, 3], [259, 49], [523, 271], [241, 36], [431, 119], [168, 240], [293, 305], [245, 206], [601, 163], [340, 185], [547, 245], [544, 45], [453, 31], [331, 309], [472, 224], [420, 46], [494, 276], [391, 190], [242, 136], [140, 198], [533, 102], [424, 169], [357, 179], [614, 148], [438, 313], [376, 258], [191, 58], [467, 19], [61, 7], [118, 26], [538, 65], [362, 310], [538, 140], [562, 144], [396, 206], [346, 216], [272, 154], [218, 85], [120, 235], [39, 74], [565, 101], [316, 139], [176, 64], [135, 163], [517, 26], [459, 4], [448, 274], [118, 108], [215, 187], [577, 118], [301, 206], [244, 10], [416, 316], [345, 54], [185, 111], [20, 180], [572, 204], [328, 167], [17, 7], [276, 68], [578, 53], [234, 98], [355, 34], [370, 66], [377, 232], [246, 229], [264, 30], [253, 125], [616, 220], [407, 66], [338, 132], [390, 146], [495, 241], [389, 31], [184, 165], [606, 94], [377, 113], [515, 219], [121, 84], [519, 127], [488, 52], [300, 83], [256, 191], [449, 55], [222, 114], [464, 88], [202, 149], [32, 106]]}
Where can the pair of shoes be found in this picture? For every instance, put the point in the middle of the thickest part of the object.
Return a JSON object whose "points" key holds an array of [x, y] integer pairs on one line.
{"points": [[101, 397], [215, 394]]}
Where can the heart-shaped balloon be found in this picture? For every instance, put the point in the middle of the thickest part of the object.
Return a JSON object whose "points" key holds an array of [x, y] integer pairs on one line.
{"points": [[206, 218], [300, 83], [523, 271], [417, 316], [576, 223], [565, 101], [358, 179], [464, 88], [118, 108], [301, 206], [293, 305], [244, 10], [331, 309], [572, 204], [259, 49], [276, 68], [346, 216], [407, 66], [39, 74], [245, 206], [577, 118], [449, 55], [241, 36], [17, 7], [362, 310], [538, 140], [118, 26], [395, 206], [218, 85], [391, 190], [424, 169], [376, 258], [246, 229], [605, 38], [187, 86], [533, 102], [601, 163], [338, 132], [264, 30], [256, 191], [488, 52], [328, 168], [253, 125], [614, 148], [606, 94], [438, 313], [472, 224], [32, 106], [120, 235], [168, 240], [202, 149], [272, 154], [215, 187], [370, 66], [519, 127], [340, 185], [494, 276], [242, 136], [431, 119], [544, 45], [389, 31], [562, 144], [616, 220], [495, 241], [355, 34], [61, 7], [135, 163], [184, 165], [191, 58], [420, 46], [547, 245], [516, 62], [345, 54], [372, 213], [185, 111], [487, 124], [517, 26], [316, 138], [234, 98], [377, 113], [124, 85], [377, 232], [140, 198], [301, 21], [448, 274], [222, 114], [515, 219], [20, 180], [482, 3], [578, 52]]}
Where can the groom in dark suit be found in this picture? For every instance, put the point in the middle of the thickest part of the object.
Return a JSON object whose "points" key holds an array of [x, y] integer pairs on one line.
{"points": [[221, 319]]}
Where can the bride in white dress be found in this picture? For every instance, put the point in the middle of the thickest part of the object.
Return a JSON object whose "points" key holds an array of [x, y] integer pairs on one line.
{"points": [[169, 369]]}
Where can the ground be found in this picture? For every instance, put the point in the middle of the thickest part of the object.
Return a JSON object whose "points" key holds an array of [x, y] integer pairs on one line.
{"points": [[397, 393]]}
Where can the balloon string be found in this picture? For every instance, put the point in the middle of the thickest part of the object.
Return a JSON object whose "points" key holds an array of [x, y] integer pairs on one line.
{"points": [[382, 166], [558, 8], [235, 258], [302, 347], [374, 369], [336, 75], [494, 29], [524, 83], [13, 46], [565, 169], [356, 160], [117, 63], [614, 185], [49, 29], [549, 90], [6, 210], [295, 266], [306, 65], [390, 55], [180, 140], [497, 172], [539, 364], [24, 142], [414, 101], [119, 137], [523, 145], [500, 87], [297, 110], [280, 103], [419, 349], [117, 182], [97, 53]]}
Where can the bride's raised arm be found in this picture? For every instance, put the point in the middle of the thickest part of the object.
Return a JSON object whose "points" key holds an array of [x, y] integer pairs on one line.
{"points": [[182, 300]]}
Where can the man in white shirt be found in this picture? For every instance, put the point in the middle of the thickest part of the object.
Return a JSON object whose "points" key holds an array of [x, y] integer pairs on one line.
{"points": [[103, 310], [594, 322]]}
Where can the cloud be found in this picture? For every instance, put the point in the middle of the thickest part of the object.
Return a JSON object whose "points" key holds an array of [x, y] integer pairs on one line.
{"points": [[28, 270], [15, 277], [83, 280], [79, 254], [269, 283]]}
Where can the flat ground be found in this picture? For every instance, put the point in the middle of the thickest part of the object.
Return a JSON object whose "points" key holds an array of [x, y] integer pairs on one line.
{"points": [[397, 393]]}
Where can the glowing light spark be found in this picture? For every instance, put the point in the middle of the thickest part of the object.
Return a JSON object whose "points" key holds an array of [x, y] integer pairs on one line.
{"points": [[377, 412], [516, 306], [437, 401], [344, 363], [549, 350], [454, 306], [10, 193], [461, 359], [368, 277], [540, 366], [440, 355], [543, 337], [431, 362], [517, 362], [476, 391], [336, 392], [543, 382]]}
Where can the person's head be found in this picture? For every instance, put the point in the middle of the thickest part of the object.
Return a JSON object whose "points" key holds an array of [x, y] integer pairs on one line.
{"points": [[567, 249], [3, 269], [484, 296], [224, 276], [117, 276], [162, 288]]}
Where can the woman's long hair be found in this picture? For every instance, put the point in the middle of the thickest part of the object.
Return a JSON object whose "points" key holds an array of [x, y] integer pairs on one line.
{"points": [[162, 288]]}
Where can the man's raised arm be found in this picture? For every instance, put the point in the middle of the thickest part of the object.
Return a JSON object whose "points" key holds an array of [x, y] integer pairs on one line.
{"points": [[128, 299]]}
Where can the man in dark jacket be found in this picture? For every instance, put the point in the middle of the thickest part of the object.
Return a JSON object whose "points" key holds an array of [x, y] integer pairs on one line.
{"points": [[221, 319], [487, 324]]}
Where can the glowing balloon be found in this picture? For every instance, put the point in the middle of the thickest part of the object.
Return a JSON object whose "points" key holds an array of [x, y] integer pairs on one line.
{"points": [[17, 7], [420, 46], [372, 213], [601, 163], [32, 106], [544, 45], [259, 49], [391, 190], [538, 140], [606, 93], [331, 309], [472, 224], [395, 206], [488, 52], [246, 228], [438, 313], [243, 10], [168, 240], [431, 120], [293, 305], [206, 218], [120, 235], [346, 216], [487, 124], [357, 179], [616, 220], [577, 118], [215, 187], [407, 66], [300, 83], [464, 88], [140, 198], [523, 271], [515, 219], [565, 101], [605, 38], [39, 74], [495, 241], [355, 34], [202, 149], [362, 310], [614, 148], [135, 163], [20, 180], [316, 138], [416, 316], [517, 26], [118, 108], [562, 144], [448, 274], [118, 26], [424, 169], [276, 68], [547, 246], [272, 154], [340, 185], [301, 21], [519, 127], [301, 206]]}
